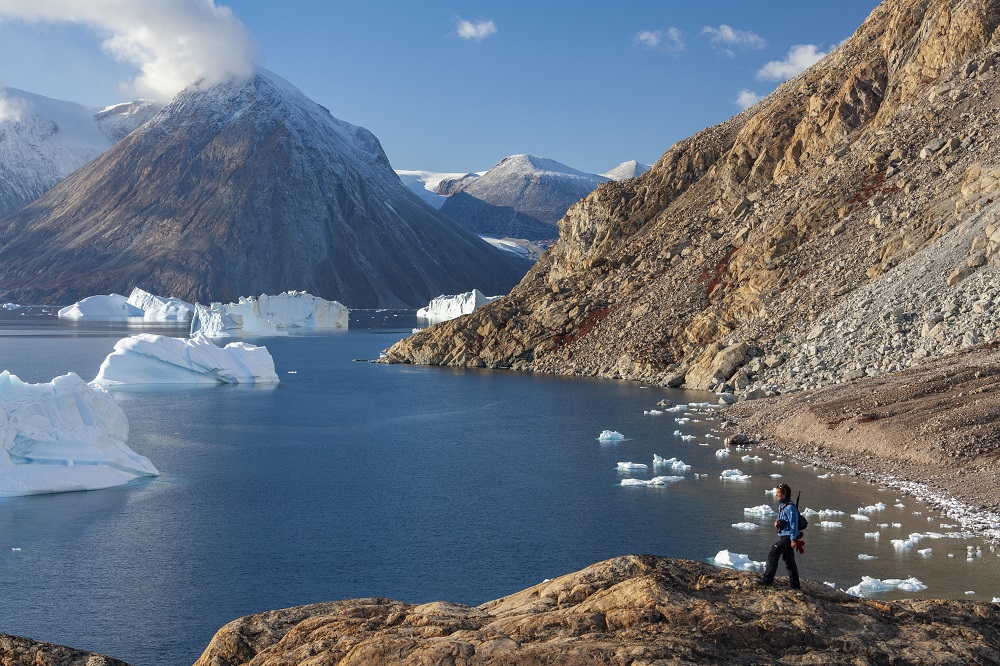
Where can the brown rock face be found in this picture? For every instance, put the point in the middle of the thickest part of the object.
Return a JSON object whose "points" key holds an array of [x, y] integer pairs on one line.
{"points": [[17, 651], [637, 609], [759, 225]]}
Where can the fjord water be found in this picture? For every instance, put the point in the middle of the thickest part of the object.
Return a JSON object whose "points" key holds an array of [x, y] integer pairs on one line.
{"points": [[353, 479]]}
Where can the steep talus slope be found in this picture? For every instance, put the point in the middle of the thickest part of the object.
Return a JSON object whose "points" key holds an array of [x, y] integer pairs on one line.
{"points": [[724, 253], [243, 188], [636, 609]]}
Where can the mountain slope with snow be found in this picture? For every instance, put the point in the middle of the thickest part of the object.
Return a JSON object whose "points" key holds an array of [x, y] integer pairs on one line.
{"points": [[629, 169], [521, 197], [425, 184], [242, 188], [43, 140]]}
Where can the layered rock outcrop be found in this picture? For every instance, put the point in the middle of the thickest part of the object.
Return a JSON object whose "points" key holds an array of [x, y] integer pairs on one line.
{"points": [[637, 609], [17, 651], [867, 180]]}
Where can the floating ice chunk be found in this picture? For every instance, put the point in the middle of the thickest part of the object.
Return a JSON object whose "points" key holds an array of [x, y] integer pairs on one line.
{"points": [[63, 436], [996, 600], [746, 526], [653, 412], [111, 306], [897, 525], [9, 306], [830, 523], [734, 475], [444, 307], [864, 556], [871, 509], [762, 510], [631, 466], [777, 462], [925, 551], [158, 359], [159, 309], [722, 453], [775, 476], [674, 463], [267, 315], [829, 584], [678, 408], [751, 458], [610, 436], [824, 476], [725, 558], [861, 517], [826, 513], [871, 535], [655, 481], [687, 438], [869, 585], [970, 592]]}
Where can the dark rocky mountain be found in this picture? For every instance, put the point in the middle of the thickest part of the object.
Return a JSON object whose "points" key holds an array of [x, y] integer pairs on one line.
{"points": [[243, 188], [43, 140], [521, 197]]}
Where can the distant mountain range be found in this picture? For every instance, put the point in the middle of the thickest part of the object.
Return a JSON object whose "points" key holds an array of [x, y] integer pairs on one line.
{"points": [[43, 140], [242, 188], [521, 197]]}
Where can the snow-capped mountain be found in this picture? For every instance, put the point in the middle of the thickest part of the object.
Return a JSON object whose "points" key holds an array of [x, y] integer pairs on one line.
{"points": [[243, 188], [629, 169], [521, 197], [425, 184], [43, 140]]}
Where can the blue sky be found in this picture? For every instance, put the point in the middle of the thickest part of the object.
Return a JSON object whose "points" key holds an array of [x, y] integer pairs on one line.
{"points": [[446, 86]]}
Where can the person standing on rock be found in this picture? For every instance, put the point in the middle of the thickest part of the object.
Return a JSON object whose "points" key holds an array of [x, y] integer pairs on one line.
{"points": [[787, 525]]}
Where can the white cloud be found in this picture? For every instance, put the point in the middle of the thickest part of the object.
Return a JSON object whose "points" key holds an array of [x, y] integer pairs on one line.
{"points": [[477, 31], [726, 36], [747, 98], [173, 43], [12, 109], [671, 39], [799, 58]]}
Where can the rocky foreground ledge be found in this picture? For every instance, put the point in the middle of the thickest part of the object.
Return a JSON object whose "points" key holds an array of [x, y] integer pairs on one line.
{"points": [[636, 609], [17, 651]]}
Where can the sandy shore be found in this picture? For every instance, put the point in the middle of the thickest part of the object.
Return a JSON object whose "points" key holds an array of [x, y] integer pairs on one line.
{"points": [[932, 431]]}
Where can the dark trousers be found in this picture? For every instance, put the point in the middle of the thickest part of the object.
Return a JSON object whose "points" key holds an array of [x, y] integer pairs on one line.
{"points": [[783, 549]]}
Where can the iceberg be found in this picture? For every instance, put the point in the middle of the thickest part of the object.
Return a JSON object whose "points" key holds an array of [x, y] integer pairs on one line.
{"points": [[269, 315], [746, 526], [869, 585], [763, 510], [610, 436], [444, 308], [725, 558], [63, 436], [158, 309], [158, 359], [655, 481], [631, 466], [111, 306], [734, 475]]}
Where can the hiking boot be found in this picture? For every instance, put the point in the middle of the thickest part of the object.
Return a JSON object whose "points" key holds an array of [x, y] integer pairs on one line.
{"points": [[763, 582]]}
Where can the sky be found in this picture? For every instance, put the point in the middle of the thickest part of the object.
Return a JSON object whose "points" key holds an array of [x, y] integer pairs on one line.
{"points": [[446, 86]]}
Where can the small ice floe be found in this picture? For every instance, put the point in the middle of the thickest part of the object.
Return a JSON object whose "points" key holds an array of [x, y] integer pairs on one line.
{"points": [[970, 592], [996, 600], [673, 463], [924, 551], [830, 523], [869, 585], [872, 508], [897, 525], [777, 462], [722, 453], [829, 584], [10, 306], [861, 517], [906, 544], [687, 438], [610, 436], [751, 458], [864, 556], [682, 420], [293, 372], [829, 513], [762, 510], [709, 435], [677, 408], [653, 412], [871, 535], [900, 505], [734, 475], [883, 525], [775, 476], [655, 481], [824, 476], [746, 526], [738, 561], [771, 492], [631, 467], [416, 330]]}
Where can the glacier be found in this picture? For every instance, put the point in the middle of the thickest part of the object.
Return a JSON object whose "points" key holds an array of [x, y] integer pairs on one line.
{"points": [[63, 436], [444, 308], [158, 359], [269, 315], [140, 305]]}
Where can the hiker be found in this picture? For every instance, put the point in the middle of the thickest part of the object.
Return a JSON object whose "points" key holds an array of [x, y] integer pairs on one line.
{"points": [[788, 541]]}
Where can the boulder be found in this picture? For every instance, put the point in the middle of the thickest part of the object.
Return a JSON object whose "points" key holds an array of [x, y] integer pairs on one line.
{"points": [[715, 365]]}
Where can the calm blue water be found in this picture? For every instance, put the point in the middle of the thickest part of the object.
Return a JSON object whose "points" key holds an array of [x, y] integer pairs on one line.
{"points": [[351, 479]]}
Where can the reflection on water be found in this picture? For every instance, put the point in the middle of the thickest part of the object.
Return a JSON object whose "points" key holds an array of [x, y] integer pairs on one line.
{"points": [[353, 479]]}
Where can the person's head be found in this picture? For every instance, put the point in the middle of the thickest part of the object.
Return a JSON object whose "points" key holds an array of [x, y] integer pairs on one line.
{"points": [[782, 491]]}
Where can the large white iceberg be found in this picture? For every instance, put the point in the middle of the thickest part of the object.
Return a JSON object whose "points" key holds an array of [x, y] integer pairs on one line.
{"points": [[140, 305], [158, 359], [869, 585], [63, 436], [269, 315], [444, 308], [740, 561]]}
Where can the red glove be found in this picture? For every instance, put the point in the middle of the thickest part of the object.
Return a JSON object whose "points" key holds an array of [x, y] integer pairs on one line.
{"points": [[800, 546]]}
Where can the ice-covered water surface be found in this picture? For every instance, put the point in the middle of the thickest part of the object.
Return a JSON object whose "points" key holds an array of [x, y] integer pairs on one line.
{"points": [[353, 479]]}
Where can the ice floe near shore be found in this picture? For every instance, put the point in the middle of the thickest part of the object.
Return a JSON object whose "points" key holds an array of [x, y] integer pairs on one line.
{"points": [[655, 481], [869, 585], [63, 436], [139, 306], [741, 562], [158, 359], [269, 315], [444, 308]]}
